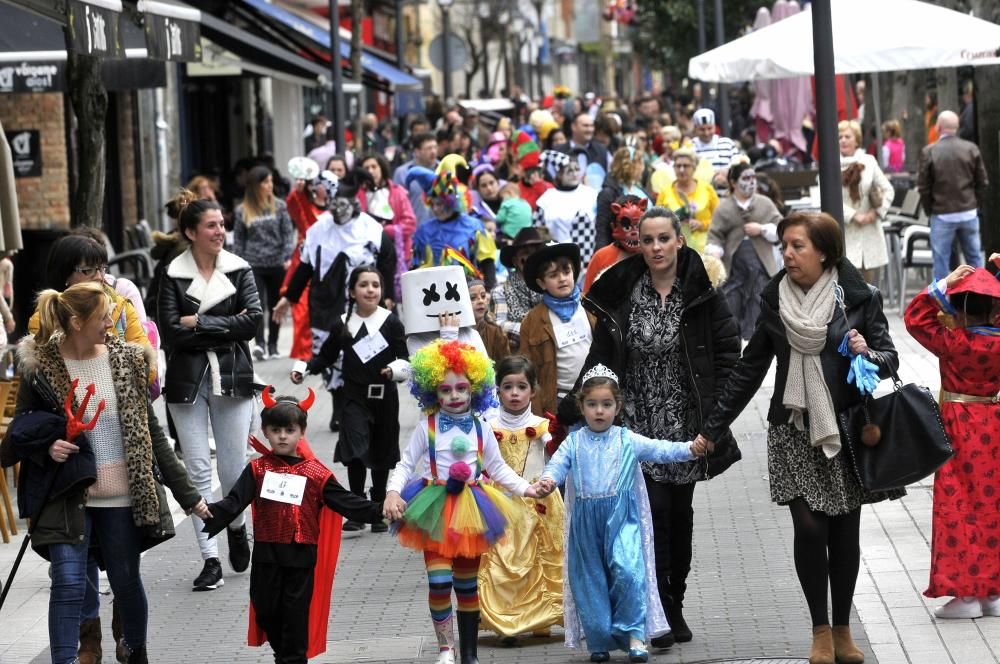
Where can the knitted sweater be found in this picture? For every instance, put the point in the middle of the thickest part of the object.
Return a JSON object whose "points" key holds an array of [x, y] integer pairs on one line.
{"points": [[111, 488], [268, 241]]}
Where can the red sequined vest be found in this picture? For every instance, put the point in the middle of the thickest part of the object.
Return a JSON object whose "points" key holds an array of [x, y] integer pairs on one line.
{"points": [[283, 523]]}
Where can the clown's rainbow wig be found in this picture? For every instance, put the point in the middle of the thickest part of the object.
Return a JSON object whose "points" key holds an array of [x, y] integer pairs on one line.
{"points": [[433, 361]]}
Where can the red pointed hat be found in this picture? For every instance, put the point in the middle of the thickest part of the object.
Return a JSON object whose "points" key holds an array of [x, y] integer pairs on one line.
{"points": [[981, 281]]}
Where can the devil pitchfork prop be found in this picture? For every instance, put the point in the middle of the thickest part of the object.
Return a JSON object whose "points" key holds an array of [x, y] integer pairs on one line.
{"points": [[75, 425]]}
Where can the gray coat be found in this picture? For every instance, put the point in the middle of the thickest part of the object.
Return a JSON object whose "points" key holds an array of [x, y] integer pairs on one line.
{"points": [[726, 230]]}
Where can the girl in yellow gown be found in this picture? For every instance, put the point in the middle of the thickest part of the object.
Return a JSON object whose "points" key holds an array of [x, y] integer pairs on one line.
{"points": [[520, 578]]}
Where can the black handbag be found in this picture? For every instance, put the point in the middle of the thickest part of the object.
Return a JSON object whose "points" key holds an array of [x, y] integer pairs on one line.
{"points": [[910, 441]]}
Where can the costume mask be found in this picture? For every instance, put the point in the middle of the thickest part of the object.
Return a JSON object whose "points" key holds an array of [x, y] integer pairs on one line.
{"points": [[343, 210], [625, 224], [432, 291], [747, 183], [569, 175]]}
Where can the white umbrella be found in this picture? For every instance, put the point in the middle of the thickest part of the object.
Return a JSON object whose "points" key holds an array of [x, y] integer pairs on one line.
{"points": [[868, 36]]}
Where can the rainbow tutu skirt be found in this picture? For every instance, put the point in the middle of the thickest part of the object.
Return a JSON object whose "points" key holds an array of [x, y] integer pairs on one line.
{"points": [[454, 520]]}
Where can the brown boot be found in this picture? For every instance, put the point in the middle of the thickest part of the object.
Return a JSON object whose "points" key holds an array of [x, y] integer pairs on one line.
{"points": [[90, 642], [843, 645], [822, 647]]}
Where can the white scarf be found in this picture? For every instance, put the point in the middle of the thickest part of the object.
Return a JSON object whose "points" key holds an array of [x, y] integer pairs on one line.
{"points": [[807, 315]]}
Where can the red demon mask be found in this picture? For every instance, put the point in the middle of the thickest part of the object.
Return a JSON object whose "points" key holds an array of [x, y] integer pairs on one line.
{"points": [[625, 223]]}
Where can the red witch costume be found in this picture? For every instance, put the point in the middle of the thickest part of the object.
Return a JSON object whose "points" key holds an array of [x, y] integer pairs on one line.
{"points": [[304, 214], [296, 544], [965, 541]]}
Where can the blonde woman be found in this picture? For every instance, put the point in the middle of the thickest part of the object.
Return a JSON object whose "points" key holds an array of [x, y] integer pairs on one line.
{"points": [[107, 497], [867, 197], [264, 238], [692, 200]]}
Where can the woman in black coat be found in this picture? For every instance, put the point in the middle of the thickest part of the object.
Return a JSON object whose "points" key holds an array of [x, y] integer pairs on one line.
{"points": [[208, 311], [806, 311], [668, 334]]}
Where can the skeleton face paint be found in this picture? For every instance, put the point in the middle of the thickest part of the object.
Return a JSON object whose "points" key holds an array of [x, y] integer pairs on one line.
{"points": [[747, 183], [569, 175]]}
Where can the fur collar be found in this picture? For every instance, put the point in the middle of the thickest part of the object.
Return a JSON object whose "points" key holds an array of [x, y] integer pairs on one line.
{"points": [[217, 288]]}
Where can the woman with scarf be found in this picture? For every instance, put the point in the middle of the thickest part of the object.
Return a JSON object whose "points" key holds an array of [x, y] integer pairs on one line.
{"points": [[486, 200], [807, 311], [744, 234], [867, 199]]}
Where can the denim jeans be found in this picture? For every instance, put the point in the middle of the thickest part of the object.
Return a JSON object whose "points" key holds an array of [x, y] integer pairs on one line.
{"points": [[120, 541], [943, 236], [230, 417]]}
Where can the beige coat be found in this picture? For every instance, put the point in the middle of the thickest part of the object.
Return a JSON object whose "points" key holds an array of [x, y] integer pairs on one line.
{"points": [[10, 221], [865, 243]]}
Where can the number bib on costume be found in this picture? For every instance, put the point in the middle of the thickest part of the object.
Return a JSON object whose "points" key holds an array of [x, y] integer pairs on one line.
{"points": [[370, 346], [571, 332], [283, 488]]}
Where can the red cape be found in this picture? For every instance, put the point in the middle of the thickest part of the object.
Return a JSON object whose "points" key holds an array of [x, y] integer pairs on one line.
{"points": [[328, 549]]}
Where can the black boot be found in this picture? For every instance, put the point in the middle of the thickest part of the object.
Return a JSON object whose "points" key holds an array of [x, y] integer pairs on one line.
{"points": [[138, 656], [678, 627], [334, 415], [468, 636]]}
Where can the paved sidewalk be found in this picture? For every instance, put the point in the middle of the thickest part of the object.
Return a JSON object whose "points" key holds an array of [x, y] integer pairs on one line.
{"points": [[744, 600]]}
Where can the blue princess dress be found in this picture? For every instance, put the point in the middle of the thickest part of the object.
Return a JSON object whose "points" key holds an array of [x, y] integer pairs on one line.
{"points": [[609, 537]]}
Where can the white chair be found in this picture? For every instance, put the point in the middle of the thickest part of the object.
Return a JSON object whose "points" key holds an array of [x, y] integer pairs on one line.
{"points": [[915, 253]]}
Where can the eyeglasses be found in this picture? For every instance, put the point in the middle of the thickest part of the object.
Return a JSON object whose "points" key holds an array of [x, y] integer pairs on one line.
{"points": [[92, 270]]}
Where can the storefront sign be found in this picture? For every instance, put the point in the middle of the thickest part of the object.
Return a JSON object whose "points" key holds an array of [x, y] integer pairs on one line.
{"points": [[32, 77], [26, 150], [94, 29], [169, 38]]}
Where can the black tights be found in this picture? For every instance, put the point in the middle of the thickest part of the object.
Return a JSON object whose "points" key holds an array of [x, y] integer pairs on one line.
{"points": [[827, 552], [356, 475]]}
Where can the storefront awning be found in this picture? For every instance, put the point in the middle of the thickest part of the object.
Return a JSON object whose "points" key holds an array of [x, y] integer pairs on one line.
{"points": [[262, 53], [294, 25]]}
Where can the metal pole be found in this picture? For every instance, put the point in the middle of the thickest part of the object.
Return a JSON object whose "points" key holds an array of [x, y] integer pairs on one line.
{"points": [[831, 196], [720, 39], [702, 41], [400, 38], [446, 51], [486, 54], [336, 77]]}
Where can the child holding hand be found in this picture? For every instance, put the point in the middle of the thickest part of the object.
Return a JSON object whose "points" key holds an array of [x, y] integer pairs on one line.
{"points": [[436, 493], [609, 553], [296, 541]]}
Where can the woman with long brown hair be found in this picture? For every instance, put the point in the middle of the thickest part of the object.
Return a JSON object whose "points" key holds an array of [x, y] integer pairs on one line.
{"points": [[264, 237]]}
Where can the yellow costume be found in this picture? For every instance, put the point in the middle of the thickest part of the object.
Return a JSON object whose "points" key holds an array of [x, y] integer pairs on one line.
{"points": [[520, 578], [700, 205]]}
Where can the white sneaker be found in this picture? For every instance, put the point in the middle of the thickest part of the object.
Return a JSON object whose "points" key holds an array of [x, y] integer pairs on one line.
{"points": [[446, 657], [991, 605], [960, 607], [259, 353]]}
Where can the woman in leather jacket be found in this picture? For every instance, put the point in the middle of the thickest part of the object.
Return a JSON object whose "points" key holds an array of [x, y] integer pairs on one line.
{"points": [[668, 333], [208, 311], [806, 311]]}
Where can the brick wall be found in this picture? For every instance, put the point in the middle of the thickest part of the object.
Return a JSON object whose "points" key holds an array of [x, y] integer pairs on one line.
{"points": [[43, 201]]}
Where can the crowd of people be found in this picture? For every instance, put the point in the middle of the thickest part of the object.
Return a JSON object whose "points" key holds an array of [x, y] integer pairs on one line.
{"points": [[606, 287]]}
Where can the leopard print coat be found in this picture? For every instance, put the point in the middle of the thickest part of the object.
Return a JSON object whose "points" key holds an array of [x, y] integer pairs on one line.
{"points": [[130, 368]]}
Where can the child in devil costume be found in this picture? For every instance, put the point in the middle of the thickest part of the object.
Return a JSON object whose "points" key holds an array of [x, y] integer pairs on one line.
{"points": [[296, 541], [626, 212]]}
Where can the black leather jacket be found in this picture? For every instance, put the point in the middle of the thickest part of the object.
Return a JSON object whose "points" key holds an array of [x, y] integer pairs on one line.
{"points": [[863, 305], [224, 328], [710, 339]]}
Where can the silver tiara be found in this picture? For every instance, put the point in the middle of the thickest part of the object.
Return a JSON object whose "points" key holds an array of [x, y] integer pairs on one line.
{"points": [[600, 371]]}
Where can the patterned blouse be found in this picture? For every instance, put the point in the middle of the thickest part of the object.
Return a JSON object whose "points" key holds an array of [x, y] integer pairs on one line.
{"points": [[658, 396]]}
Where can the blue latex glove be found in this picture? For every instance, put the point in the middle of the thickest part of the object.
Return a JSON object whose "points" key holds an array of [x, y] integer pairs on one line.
{"points": [[863, 373]]}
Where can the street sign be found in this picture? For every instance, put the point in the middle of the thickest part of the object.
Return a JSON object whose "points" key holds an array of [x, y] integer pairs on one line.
{"points": [[456, 50]]}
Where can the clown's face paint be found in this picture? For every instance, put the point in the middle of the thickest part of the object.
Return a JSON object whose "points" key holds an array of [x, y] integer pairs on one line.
{"points": [[454, 393], [441, 209], [747, 183], [569, 175]]}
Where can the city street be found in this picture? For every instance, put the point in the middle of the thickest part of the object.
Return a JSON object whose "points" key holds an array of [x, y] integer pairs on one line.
{"points": [[743, 604]]}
